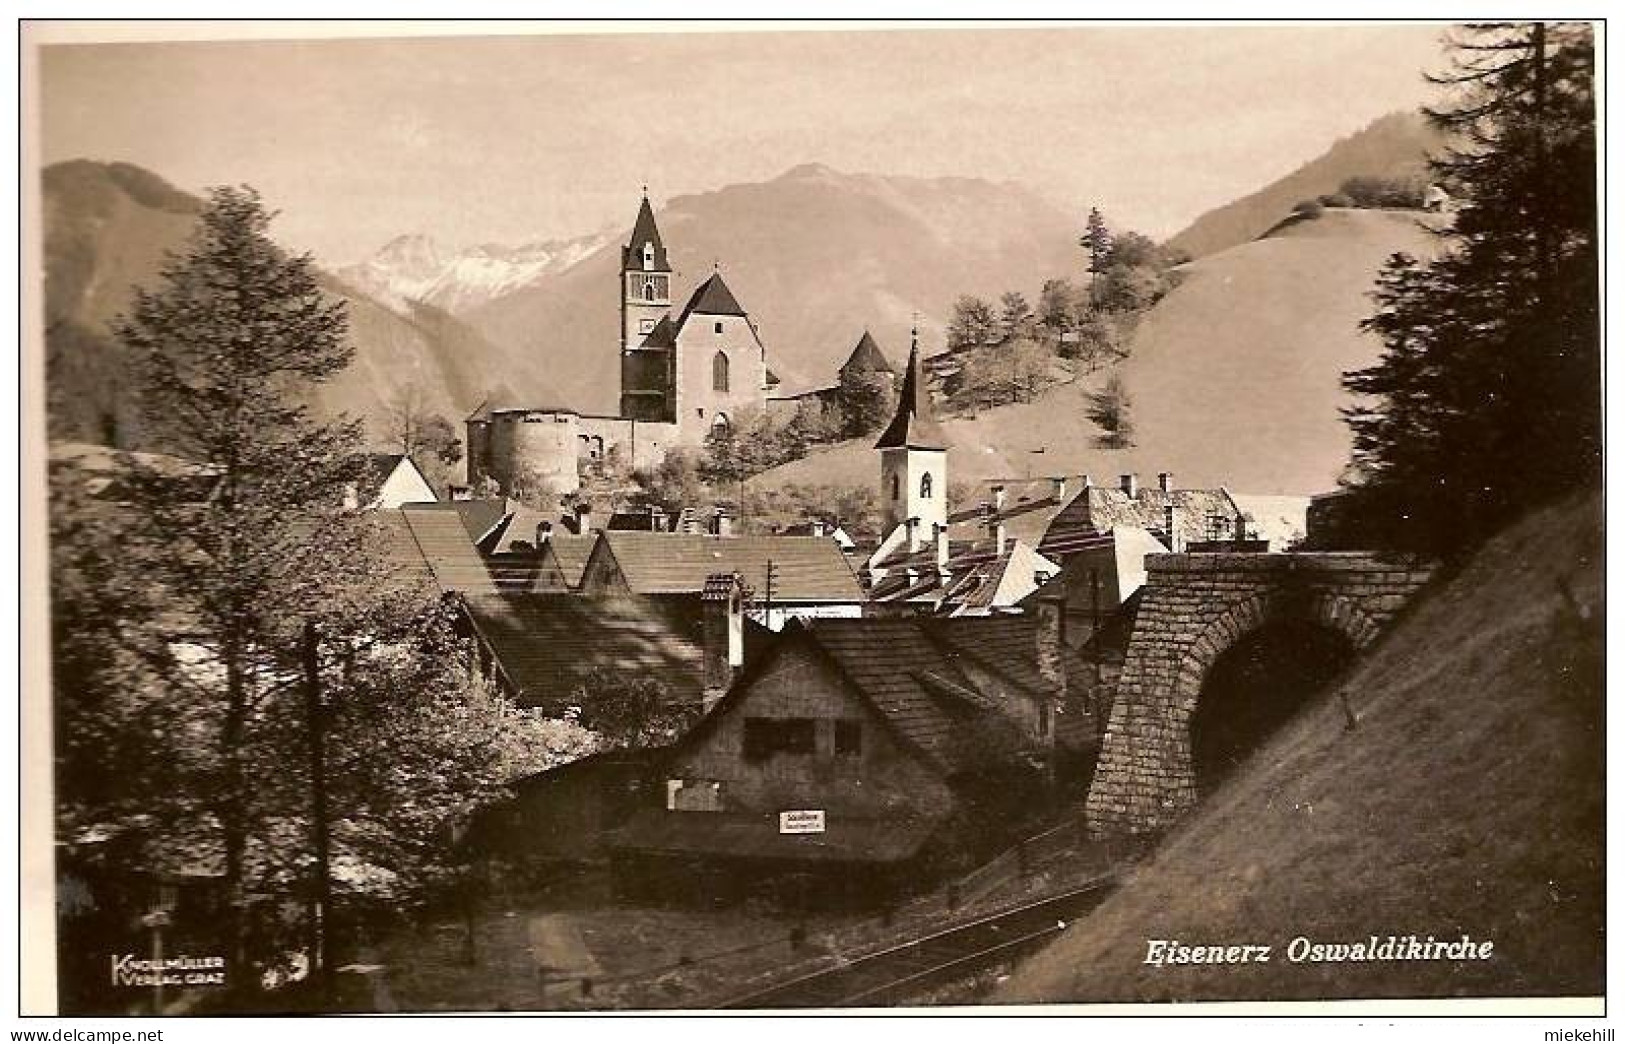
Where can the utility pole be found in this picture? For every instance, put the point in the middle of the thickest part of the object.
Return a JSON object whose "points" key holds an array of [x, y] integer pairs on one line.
{"points": [[321, 965], [767, 611]]}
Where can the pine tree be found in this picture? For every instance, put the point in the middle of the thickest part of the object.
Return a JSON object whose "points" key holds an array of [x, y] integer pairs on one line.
{"points": [[1486, 400], [181, 601], [1097, 241]]}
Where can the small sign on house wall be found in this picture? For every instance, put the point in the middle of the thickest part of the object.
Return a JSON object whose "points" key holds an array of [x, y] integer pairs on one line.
{"points": [[807, 821]]}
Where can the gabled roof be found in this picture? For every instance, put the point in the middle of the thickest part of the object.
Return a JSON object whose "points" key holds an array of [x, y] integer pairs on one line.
{"points": [[913, 426], [884, 660], [805, 569], [712, 297], [867, 358], [645, 231], [546, 644], [1096, 509], [447, 547], [996, 581]]}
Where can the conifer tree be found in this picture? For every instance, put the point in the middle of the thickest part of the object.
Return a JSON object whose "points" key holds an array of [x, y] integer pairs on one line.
{"points": [[1487, 397], [1096, 241]]}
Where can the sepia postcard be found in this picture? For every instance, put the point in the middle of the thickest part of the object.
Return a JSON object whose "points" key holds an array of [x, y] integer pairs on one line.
{"points": [[814, 517]]}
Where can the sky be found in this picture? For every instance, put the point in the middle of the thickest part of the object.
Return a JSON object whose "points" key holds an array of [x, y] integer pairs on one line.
{"points": [[519, 138]]}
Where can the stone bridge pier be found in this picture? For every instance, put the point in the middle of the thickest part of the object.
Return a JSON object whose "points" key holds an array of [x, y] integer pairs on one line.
{"points": [[1193, 607]]}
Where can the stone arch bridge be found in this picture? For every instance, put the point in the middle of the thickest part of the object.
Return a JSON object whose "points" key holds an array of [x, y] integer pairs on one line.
{"points": [[1193, 607]]}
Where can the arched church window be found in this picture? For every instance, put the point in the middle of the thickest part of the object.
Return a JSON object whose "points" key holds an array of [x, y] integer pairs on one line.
{"points": [[719, 372], [649, 290], [719, 422], [925, 486], [896, 487]]}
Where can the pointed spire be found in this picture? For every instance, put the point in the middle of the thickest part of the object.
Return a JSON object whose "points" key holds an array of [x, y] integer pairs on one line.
{"points": [[913, 426], [645, 232]]}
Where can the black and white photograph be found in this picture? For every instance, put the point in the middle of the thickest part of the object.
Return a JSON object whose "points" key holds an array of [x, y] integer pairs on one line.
{"points": [[812, 518]]}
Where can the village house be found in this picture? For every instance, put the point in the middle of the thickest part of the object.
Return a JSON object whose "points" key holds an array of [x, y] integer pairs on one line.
{"points": [[394, 479], [871, 749], [792, 576]]}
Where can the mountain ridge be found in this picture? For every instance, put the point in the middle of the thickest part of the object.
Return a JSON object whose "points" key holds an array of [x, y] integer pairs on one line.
{"points": [[1393, 146]]}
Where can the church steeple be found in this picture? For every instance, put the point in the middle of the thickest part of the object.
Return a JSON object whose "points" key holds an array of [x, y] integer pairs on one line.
{"points": [[913, 427], [645, 252], [914, 460]]}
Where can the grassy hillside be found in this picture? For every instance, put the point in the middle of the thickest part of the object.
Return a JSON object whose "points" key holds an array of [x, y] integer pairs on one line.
{"points": [[1234, 375], [107, 228], [816, 256], [1467, 799], [1395, 146]]}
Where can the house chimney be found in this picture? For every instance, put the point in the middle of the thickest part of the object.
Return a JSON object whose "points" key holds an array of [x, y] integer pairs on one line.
{"points": [[818, 527], [1168, 527], [995, 533], [913, 525], [1059, 491], [721, 524], [1050, 640], [352, 497], [1129, 484], [1088, 482], [583, 517], [544, 532], [657, 518], [1241, 528], [1165, 481], [998, 498], [722, 605]]}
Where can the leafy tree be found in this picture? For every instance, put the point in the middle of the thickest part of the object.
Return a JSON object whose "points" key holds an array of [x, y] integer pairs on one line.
{"points": [[1486, 399], [866, 402], [1109, 409], [181, 606], [1371, 191], [1056, 303], [972, 323], [674, 483], [1096, 241], [1133, 250], [631, 712]]}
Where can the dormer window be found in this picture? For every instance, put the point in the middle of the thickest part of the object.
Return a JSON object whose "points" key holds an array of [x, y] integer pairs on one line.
{"points": [[648, 256]]}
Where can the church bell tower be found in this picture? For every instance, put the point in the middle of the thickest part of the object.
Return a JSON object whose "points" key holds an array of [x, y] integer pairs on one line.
{"points": [[648, 345]]}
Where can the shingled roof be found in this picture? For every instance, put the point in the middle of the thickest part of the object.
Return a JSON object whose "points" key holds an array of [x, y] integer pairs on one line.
{"points": [[913, 426], [645, 231], [712, 297], [547, 644], [886, 659], [867, 358], [805, 569], [1096, 509], [664, 335]]}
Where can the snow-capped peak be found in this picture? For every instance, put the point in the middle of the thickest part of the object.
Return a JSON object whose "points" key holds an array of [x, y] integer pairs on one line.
{"points": [[413, 268]]}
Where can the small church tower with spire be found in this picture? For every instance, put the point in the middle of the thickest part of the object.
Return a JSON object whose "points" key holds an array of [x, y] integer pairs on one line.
{"points": [[913, 461]]}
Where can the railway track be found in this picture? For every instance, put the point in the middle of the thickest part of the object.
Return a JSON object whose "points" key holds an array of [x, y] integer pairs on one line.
{"points": [[898, 972]]}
